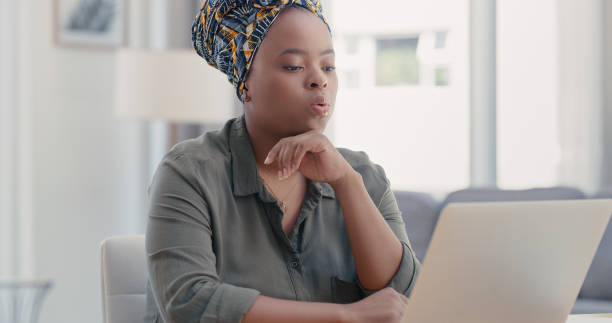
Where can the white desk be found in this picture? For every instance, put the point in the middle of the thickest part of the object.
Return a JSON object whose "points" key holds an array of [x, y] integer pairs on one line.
{"points": [[590, 318]]}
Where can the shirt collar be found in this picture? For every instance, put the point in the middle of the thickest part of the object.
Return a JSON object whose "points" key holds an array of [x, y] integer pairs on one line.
{"points": [[245, 177], [244, 169], [325, 189]]}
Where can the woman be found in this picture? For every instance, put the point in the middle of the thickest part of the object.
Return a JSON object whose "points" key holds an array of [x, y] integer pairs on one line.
{"points": [[265, 220]]}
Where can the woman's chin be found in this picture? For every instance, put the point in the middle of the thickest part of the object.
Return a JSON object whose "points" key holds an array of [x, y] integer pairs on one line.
{"points": [[318, 125]]}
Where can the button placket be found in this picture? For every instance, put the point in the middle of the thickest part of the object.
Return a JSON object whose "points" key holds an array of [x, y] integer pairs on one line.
{"points": [[294, 264]]}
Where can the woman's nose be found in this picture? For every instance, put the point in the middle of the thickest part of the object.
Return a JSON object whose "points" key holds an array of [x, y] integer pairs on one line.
{"points": [[314, 85], [318, 80]]}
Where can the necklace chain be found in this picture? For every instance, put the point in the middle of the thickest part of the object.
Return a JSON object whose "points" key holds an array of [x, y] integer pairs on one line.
{"points": [[281, 202]]}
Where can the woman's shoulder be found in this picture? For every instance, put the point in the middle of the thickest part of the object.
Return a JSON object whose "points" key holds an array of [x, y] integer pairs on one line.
{"points": [[373, 175], [356, 158], [209, 145], [209, 150], [360, 160], [198, 164]]}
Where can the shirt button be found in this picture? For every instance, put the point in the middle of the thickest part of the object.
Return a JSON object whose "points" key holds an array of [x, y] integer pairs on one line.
{"points": [[294, 264]]}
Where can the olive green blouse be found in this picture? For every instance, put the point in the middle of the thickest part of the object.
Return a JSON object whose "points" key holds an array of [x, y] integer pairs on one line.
{"points": [[214, 238]]}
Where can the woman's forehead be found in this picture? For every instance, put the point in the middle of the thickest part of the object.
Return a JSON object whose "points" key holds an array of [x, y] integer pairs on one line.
{"points": [[297, 32]]}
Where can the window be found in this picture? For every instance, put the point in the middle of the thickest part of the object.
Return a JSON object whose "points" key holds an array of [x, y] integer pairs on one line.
{"points": [[396, 61], [403, 95], [441, 39], [442, 77]]}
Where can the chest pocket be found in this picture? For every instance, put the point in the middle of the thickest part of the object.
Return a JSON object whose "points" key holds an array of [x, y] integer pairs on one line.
{"points": [[344, 292]]}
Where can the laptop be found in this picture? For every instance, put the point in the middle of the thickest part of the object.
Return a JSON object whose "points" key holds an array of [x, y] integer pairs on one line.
{"points": [[507, 262]]}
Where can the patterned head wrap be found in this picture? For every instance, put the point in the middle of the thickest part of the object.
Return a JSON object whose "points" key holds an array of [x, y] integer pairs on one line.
{"points": [[227, 33]]}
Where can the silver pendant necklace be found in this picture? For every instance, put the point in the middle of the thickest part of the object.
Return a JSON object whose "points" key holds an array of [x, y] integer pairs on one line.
{"points": [[281, 202]]}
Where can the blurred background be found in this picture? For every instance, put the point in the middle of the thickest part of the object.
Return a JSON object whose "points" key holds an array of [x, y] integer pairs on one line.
{"points": [[444, 94]]}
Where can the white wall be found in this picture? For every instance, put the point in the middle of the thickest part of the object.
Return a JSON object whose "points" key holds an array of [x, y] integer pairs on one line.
{"points": [[527, 93], [607, 119], [88, 178], [580, 47], [550, 93], [15, 148], [7, 138]]}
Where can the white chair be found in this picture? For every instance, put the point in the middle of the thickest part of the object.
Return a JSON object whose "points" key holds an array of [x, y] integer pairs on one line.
{"points": [[124, 276]]}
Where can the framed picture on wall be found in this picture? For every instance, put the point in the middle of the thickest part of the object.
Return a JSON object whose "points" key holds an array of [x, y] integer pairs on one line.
{"points": [[97, 23]]}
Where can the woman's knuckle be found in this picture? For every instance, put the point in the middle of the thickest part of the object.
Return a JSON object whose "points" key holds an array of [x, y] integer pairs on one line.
{"points": [[399, 314], [389, 316]]}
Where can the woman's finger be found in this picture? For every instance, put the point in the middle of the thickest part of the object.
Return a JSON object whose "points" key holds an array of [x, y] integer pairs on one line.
{"points": [[297, 156], [272, 155], [289, 159], [314, 144], [300, 152], [282, 159]]}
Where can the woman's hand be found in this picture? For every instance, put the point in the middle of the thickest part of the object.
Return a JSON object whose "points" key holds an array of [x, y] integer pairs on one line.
{"points": [[386, 305], [312, 154]]}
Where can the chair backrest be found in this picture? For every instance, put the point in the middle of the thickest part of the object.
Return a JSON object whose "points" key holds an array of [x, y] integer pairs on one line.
{"points": [[124, 276]]}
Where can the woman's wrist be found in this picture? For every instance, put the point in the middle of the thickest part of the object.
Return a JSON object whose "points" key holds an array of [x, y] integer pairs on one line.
{"points": [[348, 180], [345, 315]]}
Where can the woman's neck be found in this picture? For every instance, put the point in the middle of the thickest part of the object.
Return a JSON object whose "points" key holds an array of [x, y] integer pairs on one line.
{"points": [[262, 143]]}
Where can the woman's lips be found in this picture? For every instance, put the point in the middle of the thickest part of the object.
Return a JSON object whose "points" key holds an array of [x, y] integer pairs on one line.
{"points": [[320, 110], [319, 105]]}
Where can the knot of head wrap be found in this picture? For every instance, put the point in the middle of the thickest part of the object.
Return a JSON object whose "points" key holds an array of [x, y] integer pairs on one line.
{"points": [[227, 33]]}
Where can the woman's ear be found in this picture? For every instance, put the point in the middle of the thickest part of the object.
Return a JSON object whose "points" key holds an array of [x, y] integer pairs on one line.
{"points": [[245, 94]]}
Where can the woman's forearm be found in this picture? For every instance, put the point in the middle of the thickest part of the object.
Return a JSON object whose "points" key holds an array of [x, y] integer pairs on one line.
{"points": [[376, 250], [272, 310]]}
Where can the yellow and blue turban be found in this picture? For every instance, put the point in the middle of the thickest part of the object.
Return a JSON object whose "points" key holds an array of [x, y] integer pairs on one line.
{"points": [[227, 33]]}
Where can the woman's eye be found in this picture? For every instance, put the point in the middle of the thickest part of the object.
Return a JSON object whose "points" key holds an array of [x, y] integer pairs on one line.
{"points": [[330, 68], [292, 68]]}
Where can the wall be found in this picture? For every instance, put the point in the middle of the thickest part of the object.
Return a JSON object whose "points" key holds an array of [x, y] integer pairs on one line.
{"points": [[550, 94], [527, 93], [88, 179], [8, 135], [580, 76], [607, 116]]}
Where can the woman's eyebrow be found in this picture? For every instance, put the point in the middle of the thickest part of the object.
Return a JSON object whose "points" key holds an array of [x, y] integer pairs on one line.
{"points": [[298, 51]]}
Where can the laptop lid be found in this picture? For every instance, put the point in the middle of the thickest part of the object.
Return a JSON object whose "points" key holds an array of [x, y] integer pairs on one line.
{"points": [[508, 262]]}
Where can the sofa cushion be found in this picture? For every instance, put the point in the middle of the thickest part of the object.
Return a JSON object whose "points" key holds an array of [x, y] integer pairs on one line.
{"points": [[598, 282], [591, 306], [497, 195], [604, 193], [420, 214]]}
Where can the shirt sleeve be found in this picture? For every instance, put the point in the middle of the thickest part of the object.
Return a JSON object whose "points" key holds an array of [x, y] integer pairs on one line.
{"points": [[404, 278], [180, 255]]}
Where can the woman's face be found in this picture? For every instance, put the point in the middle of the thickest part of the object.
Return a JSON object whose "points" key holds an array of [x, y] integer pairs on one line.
{"points": [[292, 81]]}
